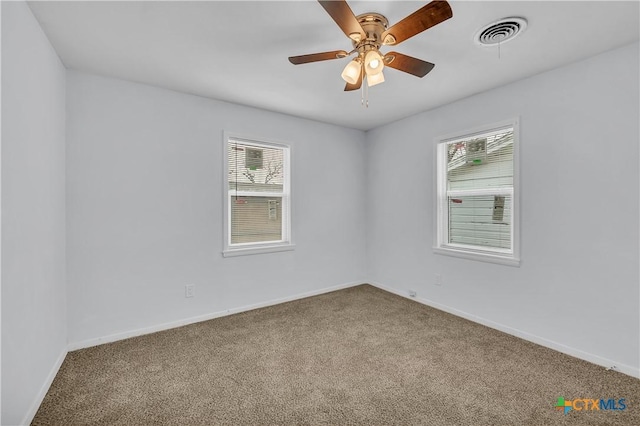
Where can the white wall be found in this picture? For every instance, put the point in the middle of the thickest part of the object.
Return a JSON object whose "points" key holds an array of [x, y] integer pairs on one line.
{"points": [[34, 337], [577, 286], [144, 208]]}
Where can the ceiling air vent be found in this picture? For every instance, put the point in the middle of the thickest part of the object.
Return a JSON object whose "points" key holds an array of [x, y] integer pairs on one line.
{"points": [[501, 31]]}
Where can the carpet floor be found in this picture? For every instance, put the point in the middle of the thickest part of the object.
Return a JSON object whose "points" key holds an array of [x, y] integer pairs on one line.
{"points": [[359, 356]]}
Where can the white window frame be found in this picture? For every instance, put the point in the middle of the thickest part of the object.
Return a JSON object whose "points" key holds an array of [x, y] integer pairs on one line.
{"points": [[241, 249], [441, 207]]}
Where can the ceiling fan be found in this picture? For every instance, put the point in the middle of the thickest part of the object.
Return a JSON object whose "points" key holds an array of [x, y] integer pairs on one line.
{"points": [[368, 32]]}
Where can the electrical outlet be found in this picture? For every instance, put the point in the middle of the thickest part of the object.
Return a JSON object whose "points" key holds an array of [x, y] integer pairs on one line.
{"points": [[189, 290], [412, 293], [438, 280]]}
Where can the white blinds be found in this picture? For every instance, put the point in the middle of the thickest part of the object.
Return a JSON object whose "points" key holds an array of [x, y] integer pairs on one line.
{"points": [[258, 192], [479, 190]]}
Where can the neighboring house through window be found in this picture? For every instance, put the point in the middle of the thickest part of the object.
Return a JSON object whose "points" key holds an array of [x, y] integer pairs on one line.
{"points": [[257, 196], [477, 194]]}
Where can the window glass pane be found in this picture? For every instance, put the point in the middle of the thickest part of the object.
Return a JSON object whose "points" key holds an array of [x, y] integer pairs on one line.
{"points": [[258, 197], [481, 162], [255, 168], [255, 219], [481, 220]]}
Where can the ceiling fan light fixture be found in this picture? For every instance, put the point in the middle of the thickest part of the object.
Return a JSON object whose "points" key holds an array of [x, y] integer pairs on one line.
{"points": [[373, 63], [351, 72], [374, 79], [368, 32]]}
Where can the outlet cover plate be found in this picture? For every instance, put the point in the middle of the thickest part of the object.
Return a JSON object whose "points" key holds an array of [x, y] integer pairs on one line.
{"points": [[438, 280], [189, 290]]}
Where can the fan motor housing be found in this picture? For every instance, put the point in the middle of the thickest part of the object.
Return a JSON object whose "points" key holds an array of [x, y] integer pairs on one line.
{"points": [[373, 24]]}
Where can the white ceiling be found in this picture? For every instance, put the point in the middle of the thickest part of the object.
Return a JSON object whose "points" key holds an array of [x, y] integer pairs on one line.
{"points": [[237, 51]]}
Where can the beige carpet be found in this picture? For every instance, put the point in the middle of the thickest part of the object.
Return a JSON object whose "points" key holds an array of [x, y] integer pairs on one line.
{"points": [[355, 356]]}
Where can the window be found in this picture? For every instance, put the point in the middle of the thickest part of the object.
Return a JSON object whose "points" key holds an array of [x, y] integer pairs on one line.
{"points": [[257, 197], [477, 194]]}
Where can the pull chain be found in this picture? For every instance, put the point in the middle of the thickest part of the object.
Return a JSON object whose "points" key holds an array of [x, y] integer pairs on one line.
{"points": [[366, 90], [364, 94]]}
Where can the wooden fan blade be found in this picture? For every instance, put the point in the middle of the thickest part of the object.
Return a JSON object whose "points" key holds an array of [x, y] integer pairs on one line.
{"points": [[356, 85], [408, 64], [315, 57], [340, 11], [420, 20]]}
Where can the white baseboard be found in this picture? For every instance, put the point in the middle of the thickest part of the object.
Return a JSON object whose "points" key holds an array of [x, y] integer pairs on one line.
{"points": [[577, 353], [72, 346], [33, 409]]}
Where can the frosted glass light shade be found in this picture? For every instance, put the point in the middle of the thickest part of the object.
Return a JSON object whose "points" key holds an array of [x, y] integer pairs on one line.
{"points": [[351, 72], [374, 79], [373, 63]]}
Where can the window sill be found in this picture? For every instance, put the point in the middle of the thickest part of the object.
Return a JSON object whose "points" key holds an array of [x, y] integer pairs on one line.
{"points": [[481, 257], [257, 250]]}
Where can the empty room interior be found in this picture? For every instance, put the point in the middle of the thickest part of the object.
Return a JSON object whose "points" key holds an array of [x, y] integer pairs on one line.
{"points": [[320, 212]]}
